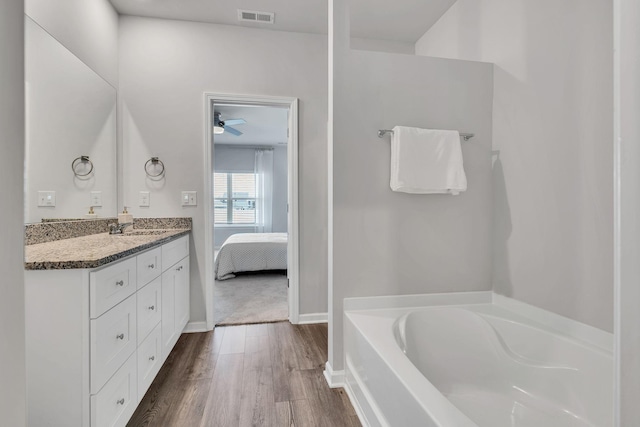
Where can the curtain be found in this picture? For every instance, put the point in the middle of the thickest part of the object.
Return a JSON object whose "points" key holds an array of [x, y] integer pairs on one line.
{"points": [[264, 189]]}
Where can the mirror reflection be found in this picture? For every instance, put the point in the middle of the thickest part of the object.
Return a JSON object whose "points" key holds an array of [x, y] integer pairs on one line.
{"points": [[70, 162]]}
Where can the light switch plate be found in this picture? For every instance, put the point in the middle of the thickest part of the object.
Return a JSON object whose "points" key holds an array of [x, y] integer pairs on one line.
{"points": [[145, 199], [46, 198], [96, 198], [189, 198]]}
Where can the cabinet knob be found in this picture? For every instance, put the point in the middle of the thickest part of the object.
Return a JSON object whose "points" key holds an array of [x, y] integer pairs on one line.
{"points": [[120, 283], [120, 337], [152, 358], [152, 266], [121, 401], [153, 307], [179, 268]]}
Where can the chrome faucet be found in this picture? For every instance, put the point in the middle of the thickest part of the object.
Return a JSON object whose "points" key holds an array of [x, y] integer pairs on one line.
{"points": [[118, 228]]}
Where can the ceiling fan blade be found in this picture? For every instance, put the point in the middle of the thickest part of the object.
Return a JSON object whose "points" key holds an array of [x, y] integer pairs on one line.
{"points": [[235, 122], [231, 130]]}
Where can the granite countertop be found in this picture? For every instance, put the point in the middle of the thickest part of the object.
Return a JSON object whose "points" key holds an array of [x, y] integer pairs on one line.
{"points": [[95, 250]]}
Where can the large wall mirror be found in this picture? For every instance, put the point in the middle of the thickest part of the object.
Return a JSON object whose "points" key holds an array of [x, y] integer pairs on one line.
{"points": [[70, 161]]}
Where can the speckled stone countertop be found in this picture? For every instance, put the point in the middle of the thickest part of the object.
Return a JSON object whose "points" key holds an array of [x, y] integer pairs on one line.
{"points": [[95, 250]]}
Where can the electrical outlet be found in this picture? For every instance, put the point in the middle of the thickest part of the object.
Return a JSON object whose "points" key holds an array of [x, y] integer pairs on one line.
{"points": [[189, 198], [96, 198], [47, 198], [145, 199]]}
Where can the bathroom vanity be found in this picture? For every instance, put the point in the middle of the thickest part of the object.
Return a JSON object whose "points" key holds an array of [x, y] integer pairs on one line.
{"points": [[103, 311], [102, 314]]}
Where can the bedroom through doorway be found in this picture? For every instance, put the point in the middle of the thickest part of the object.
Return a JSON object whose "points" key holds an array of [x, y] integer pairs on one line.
{"points": [[250, 168]]}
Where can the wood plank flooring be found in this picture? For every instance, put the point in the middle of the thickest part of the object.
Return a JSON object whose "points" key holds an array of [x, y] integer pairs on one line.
{"points": [[249, 375]]}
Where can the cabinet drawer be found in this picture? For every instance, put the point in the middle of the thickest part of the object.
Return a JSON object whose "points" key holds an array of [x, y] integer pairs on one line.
{"points": [[174, 251], [116, 402], [149, 266], [149, 309], [113, 340], [109, 286], [149, 360]]}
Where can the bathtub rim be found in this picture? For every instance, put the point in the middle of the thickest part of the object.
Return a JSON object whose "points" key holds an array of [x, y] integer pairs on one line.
{"points": [[395, 306], [565, 326]]}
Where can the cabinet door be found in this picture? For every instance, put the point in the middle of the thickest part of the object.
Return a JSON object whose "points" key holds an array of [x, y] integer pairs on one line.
{"points": [[182, 295], [175, 304], [169, 331]]}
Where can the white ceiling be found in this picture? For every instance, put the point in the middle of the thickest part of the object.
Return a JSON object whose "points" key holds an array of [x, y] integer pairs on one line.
{"points": [[306, 16], [395, 20], [266, 126]]}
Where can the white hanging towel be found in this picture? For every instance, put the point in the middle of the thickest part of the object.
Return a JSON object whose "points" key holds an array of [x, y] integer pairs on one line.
{"points": [[426, 161]]}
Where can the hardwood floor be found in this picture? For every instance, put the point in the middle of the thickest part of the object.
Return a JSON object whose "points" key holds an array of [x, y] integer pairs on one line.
{"points": [[249, 375]]}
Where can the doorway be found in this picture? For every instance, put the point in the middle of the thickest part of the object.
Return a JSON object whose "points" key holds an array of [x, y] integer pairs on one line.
{"points": [[249, 141]]}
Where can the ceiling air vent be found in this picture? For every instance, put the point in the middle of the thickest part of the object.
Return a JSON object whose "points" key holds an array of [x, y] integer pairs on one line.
{"points": [[253, 16]]}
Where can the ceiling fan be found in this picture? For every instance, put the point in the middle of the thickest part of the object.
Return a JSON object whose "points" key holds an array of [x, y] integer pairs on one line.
{"points": [[220, 126]]}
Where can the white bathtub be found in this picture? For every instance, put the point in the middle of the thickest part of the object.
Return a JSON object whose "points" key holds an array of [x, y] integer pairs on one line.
{"points": [[473, 365]]}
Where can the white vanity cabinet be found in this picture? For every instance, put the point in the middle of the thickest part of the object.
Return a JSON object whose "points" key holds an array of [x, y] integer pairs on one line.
{"points": [[96, 338]]}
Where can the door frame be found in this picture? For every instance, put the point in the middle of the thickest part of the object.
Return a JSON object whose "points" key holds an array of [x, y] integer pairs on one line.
{"points": [[293, 248]]}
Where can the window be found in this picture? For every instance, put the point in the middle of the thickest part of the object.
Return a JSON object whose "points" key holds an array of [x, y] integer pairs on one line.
{"points": [[240, 208]]}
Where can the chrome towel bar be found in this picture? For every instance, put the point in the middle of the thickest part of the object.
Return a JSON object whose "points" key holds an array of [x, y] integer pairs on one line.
{"points": [[465, 136]]}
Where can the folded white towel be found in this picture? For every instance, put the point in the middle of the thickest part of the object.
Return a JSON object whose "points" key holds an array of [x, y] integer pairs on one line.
{"points": [[426, 161]]}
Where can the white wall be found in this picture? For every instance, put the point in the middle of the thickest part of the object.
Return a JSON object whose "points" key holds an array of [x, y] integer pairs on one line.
{"points": [[627, 109], [383, 46], [88, 28], [228, 158], [388, 243], [12, 342], [165, 69], [552, 123]]}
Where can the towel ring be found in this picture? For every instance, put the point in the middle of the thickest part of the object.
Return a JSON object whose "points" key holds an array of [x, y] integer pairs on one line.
{"points": [[78, 160], [154, 161]]}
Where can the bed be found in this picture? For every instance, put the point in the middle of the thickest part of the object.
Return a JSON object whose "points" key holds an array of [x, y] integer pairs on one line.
{"points": [[251, 252]]}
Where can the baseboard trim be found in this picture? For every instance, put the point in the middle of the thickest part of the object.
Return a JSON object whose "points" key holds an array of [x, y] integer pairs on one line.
{"points": [[193, 327], [306, 319], [356, 406], [335, 379]]}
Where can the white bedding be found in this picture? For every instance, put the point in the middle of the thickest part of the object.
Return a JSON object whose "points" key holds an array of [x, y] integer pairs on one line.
{"points": [[251, 252]]}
